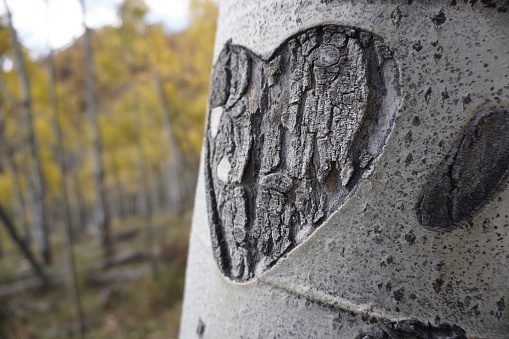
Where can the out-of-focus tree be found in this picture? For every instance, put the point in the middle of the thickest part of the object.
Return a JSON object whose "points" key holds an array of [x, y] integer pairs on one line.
{"points": [[101, 213], [40, 211]]}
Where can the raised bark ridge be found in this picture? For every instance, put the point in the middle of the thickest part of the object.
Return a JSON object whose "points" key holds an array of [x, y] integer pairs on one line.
{"points": [[289, 139]]}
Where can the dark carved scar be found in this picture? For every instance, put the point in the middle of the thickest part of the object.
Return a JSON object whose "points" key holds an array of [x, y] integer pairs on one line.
{"points": [[470, 175], [290, 137]]}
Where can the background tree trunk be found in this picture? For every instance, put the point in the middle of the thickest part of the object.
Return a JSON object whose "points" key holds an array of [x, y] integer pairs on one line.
{"points": [[39, 212], [174, 182], [101, 213], [65, 201], [145, 200], [19, 204], [417, 248]]}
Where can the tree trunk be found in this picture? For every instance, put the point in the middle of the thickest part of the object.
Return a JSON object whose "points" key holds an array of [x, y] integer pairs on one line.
{"points": [[120, 191], [154, 190], [353, 177], [19, 205], [145, 202], [65, 198], [174, 160], [79, 202], [39, 213], [101, 212]]}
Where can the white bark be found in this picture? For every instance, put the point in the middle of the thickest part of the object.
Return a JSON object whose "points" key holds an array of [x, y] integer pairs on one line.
{"points": [[65, 201], [376, 268], [101, 213], [173, 172], [39, 212]]}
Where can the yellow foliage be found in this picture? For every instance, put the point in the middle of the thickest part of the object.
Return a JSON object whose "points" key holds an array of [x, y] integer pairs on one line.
{"points": [[5, 187], [127, 60]]}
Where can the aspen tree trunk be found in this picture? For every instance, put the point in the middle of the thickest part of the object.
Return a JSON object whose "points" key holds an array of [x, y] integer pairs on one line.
{"points": [[79, 202], [154, 190], [57, 128], [101, 213], [353, 180], [145, 201], [174, 166], [39, 212], [120, 191], [19, 205]]}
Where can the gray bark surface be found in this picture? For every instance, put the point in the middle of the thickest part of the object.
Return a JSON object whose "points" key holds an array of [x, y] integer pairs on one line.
{"points": [[376, 266]]}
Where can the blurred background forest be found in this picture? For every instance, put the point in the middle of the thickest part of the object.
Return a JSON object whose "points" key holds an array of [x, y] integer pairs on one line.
{"points": [[99, 153]]}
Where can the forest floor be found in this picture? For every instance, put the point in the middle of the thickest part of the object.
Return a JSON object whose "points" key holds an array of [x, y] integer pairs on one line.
{"points": [[121, 297]]}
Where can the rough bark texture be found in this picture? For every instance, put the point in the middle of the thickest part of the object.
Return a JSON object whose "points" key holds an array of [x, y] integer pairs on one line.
{"points": [[289, 138], [470, 174], [375, 265]]}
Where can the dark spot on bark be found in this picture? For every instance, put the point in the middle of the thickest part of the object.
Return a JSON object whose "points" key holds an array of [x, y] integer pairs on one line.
{"points": [[373, 334], [445, 94], [410, 238], [399, 294], [417, 46], [337, 322], [437, 284], [200, 329], [502, 9], [388, 287], [500, 308], [439, 19], [416, 121], [466, 100], [396, 17], [414, 328], [427, 94], [453, 3], [408, 159], [470, 175], [489, 3], [475, 310]]}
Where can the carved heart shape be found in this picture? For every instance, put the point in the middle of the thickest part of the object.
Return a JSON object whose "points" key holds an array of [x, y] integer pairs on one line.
{"points": [[289, 139]]}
